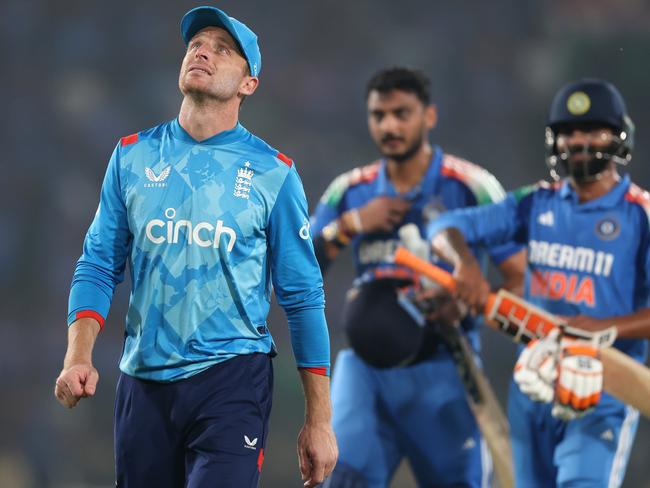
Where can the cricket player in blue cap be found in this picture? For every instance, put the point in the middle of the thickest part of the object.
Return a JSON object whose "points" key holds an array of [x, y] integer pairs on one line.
{"points": [[209, 218]]}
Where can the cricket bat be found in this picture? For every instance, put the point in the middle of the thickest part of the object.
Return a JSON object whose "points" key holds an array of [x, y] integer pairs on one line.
{"points": [[623, 377], [483, 403]]}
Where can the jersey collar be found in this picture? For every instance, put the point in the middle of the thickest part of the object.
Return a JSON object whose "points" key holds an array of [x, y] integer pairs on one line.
{"points": [[386, 187], [227, 136], [608, 200]]}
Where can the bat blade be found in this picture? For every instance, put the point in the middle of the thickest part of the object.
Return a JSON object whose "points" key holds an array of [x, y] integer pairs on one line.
{"points": [[489, 415]]}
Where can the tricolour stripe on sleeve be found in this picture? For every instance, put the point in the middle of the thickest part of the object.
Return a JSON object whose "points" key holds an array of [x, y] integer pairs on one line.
{"points": [[341, 183], [485, 187]]}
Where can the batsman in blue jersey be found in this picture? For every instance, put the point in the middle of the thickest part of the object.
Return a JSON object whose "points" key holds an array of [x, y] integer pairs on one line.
{"points": [[396, 393], [588, 241], [208, 217]]}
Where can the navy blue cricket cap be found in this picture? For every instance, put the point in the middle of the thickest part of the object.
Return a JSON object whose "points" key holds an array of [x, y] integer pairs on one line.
{"points": [[201, 17]]}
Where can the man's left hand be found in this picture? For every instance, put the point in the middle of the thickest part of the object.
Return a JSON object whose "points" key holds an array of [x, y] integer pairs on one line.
{"points": [[317, 452]]}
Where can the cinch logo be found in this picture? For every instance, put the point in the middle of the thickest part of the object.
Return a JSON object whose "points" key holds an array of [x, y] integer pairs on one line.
{"points": [[203, 234]]}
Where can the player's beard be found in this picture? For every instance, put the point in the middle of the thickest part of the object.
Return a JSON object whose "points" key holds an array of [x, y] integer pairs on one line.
{"points": [[407, 154]]}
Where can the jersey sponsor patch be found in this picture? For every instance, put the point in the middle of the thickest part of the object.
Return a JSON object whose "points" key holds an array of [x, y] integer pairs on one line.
{"points": [[561, 286], [572, 258], [202, 234], [304, 230]]}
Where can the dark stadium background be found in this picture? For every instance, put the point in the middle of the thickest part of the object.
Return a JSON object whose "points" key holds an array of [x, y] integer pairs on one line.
{"points": [[77, 75]]}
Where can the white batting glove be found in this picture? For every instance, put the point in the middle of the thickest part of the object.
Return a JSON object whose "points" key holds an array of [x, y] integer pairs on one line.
{"points": [[580, 380], [564, 367], [536, 368]]}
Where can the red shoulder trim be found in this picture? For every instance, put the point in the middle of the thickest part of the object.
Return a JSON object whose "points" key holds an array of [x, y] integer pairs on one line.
{"points": [[638, 195], [126, 140], [90, 314], [285, 159], [458, 168], [364, 174], [451, 162]]}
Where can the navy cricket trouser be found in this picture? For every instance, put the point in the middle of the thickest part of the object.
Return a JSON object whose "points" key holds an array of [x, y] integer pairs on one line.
{"points": [[208, 430]]}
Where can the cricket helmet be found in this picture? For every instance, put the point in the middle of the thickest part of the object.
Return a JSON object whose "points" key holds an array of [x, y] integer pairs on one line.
{"points": [[588, 104]]}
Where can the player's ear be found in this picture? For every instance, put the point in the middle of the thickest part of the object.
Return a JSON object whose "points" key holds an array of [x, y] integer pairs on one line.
{"points": [[431, 116], [248, 85]]}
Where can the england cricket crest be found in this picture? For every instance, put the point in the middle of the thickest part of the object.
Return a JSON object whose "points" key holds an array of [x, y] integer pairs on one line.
{"points": [[244, 181]]}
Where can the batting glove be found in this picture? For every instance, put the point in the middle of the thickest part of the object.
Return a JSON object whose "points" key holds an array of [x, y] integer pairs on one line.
{"points": [[579, 380], [536, 368]]}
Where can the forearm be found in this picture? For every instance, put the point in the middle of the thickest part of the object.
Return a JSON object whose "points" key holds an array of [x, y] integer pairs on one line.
{"points": [[318, 408], [513, 271], [81, 340], [633, 326]]}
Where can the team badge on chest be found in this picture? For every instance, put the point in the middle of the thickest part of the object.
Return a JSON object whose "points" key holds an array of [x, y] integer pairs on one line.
{"points": [[244, 181], [608, 229]]}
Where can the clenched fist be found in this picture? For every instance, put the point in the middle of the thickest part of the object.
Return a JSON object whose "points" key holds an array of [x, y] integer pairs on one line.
{"points": [[74, 383]]}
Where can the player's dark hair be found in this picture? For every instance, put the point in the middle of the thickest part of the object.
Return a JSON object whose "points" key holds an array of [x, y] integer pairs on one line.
{"points": [[404, 79]]}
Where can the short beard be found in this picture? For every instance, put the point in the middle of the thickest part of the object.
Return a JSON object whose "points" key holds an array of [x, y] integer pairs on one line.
{"points": [[202, 97], [220, 95], [408, 154]]}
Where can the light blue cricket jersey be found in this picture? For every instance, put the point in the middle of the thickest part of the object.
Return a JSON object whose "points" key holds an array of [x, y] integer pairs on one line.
{"points": [[206, 227], [589, 258]]}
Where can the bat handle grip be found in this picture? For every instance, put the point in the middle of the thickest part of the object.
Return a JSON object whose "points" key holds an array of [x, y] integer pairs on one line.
{"points": [[403, 257], [406, 258]]}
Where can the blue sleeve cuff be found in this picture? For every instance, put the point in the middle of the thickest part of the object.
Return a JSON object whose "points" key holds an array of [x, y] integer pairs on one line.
{"points": [[310, 338], [85, 297]]}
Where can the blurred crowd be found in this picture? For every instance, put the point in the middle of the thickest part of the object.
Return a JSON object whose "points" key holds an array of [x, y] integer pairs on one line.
{"points": [[75, 76]]}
